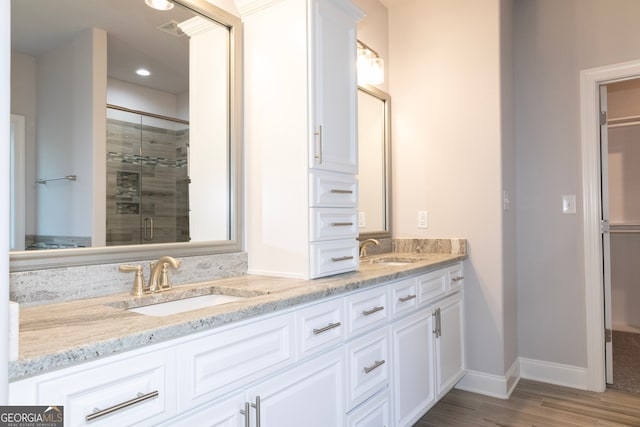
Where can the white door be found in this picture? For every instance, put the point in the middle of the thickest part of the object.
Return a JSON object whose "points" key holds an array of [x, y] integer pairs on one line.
{"points": [[450, 344], [606, 242]]}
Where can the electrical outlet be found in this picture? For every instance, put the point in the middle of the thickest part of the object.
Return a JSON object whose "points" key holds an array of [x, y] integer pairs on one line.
{"points": [[362, 219], [423, 219]]}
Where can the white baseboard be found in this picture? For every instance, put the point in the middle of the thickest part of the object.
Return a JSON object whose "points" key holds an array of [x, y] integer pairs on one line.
{"points": [[553, 373], [490, 384]]}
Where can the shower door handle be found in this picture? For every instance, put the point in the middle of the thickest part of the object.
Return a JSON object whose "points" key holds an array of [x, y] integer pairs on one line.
{"points": [[147, 228]]}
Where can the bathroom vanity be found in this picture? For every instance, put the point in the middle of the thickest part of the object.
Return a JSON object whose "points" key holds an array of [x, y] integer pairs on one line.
{"points": [[375, 347]]}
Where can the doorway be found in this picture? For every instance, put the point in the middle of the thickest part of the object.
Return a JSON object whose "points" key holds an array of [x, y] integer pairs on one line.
{"points": [[620, 155], [590, 81]]}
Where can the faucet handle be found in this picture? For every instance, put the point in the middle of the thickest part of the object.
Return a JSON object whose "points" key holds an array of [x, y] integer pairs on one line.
{"points": [[138, 280], [164, 278]]}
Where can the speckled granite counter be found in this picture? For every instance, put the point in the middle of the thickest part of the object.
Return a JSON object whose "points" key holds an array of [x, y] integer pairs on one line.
{"points": [[59, 335]]}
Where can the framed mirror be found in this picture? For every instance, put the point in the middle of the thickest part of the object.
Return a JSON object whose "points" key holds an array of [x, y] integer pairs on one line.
{"points": [[109, 165], [374, 151]]}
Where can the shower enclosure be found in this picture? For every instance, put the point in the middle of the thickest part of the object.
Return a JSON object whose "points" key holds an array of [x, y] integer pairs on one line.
{"points": [[147, 178]]}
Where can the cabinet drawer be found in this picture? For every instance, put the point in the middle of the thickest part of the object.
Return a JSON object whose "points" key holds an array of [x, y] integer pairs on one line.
{"points": [[320, 326], [150, 378], [367, 309], [432, 285], [333, 223], [367, 366], [404, 297], [373, 413], [333, 190], [456, 276], [333, 257], [222, 362]]}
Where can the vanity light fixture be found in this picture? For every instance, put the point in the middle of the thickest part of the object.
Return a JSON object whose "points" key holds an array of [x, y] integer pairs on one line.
{"points": [[143, 72], [370, 65], [159, 4]]}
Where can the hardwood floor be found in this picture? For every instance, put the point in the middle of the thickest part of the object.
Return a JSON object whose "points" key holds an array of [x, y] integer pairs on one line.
{"points": [[534, 404]]}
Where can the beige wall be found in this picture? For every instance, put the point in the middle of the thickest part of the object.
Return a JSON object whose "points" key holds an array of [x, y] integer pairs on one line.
{"points": [[554, 40], [445, 80]]}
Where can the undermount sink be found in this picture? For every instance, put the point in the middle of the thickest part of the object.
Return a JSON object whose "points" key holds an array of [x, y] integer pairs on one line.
{"points": [[392, 261], [186, 304]]}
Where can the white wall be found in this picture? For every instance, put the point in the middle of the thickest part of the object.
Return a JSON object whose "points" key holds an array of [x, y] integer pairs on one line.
{"points": [[23, 102], [5, 111], [65, 134], [445, 67], [554, 40]]}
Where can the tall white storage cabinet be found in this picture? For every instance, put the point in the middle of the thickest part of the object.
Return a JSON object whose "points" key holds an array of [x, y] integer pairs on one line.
{"points": [[301, 137]]}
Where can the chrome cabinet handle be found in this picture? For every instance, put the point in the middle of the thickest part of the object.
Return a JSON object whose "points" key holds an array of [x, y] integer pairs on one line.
{"points": [[326, 328], [457, 279], [407, 298], [437, 330], [257, 407], [247, 414], [376, 364], [340, 191], [97, 413], [373, 310], [318, 134], [341, 224], [342, 258]]}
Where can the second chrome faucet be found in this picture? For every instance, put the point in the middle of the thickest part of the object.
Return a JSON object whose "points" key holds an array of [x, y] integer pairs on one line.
{"points": [[158, 277]]}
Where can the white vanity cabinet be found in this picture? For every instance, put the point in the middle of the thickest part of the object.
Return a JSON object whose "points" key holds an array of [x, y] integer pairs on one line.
{"points": [[301, 136], [380, 356]]}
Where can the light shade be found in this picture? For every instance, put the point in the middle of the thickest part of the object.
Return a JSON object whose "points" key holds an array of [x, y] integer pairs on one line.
{"points": [[370, 66], [159, 4]]}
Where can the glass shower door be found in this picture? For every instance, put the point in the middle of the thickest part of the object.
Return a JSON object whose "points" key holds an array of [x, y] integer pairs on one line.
{"points": [[147, 179]]}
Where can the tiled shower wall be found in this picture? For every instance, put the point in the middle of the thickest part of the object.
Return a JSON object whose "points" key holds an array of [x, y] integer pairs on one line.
{"points": [[147, 177]]}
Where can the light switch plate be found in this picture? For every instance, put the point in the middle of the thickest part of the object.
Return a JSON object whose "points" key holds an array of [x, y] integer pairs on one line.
{"points": [[569, 204]]}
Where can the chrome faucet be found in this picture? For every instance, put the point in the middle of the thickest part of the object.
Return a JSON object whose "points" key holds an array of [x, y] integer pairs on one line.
{"points": [[363, 246], [159, 277]]}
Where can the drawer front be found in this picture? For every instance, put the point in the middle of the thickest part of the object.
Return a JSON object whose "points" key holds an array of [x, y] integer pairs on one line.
{"points": [[456, 277], [222, 362], [367, 309], [367, 366], [431, 286], [333, 257], [333, 190], [373, 413], [333, 223], [319, 327], [151, 378], [404, 297]]}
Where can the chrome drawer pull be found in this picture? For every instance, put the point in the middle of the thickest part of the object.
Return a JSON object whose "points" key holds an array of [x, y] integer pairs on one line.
{"points": [[97, 413], [457, 279], [342, 258], [257, 406], [373, 310], [341, 224], [339, 191], [407, 298], [376, 364], [247, 414], [326, 328]]}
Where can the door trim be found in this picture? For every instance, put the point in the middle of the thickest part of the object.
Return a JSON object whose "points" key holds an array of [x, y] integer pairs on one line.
{"points": [[590, 80]]}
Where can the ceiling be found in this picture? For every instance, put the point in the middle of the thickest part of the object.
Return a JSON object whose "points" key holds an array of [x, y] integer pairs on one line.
{"points": [[134, 41]]}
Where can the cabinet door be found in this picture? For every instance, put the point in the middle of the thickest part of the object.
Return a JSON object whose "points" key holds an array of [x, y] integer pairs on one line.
{"points": [[310, 395], [334, 95], [413, 367], [450, 343], [222, 413]]}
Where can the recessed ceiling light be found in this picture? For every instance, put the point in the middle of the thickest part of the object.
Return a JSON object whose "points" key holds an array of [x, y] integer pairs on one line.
{"points": [[143, 72], [159, 4]]}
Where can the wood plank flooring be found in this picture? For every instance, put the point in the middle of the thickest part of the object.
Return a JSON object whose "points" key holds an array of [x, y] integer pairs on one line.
{"points": [[534, 404]]}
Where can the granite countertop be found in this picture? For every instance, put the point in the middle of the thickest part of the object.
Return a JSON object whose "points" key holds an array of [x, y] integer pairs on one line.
{"points": [[60, 335]]}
